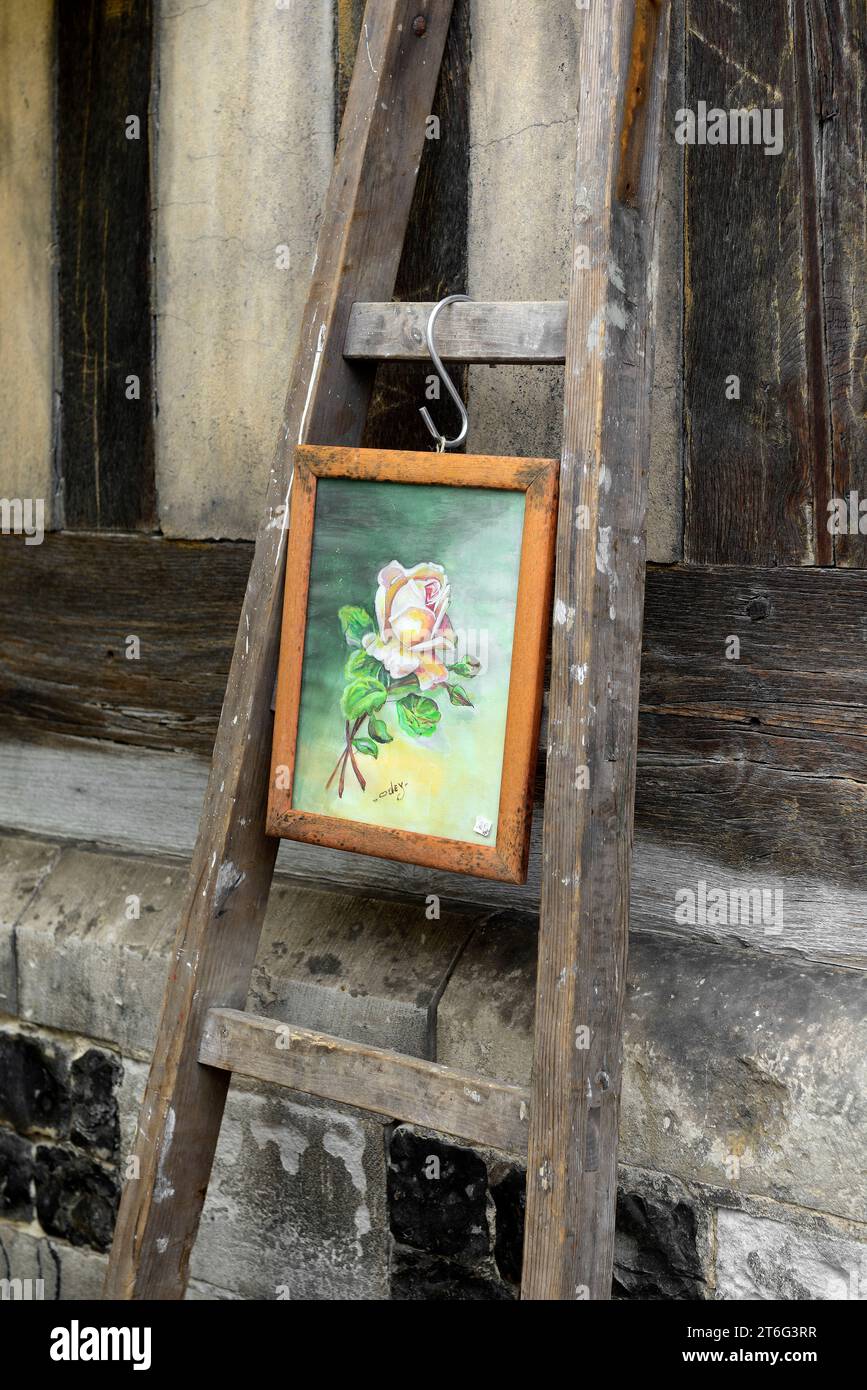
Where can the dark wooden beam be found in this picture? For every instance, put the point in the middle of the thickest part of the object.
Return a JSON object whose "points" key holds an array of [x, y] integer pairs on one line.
{"points": [[835, 52], [103, 209], [370, 1078], [72, 668], [65, 671], [758, 468]]}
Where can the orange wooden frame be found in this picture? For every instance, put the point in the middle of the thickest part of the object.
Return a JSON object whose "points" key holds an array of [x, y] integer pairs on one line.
{"points": [[538, 479]]}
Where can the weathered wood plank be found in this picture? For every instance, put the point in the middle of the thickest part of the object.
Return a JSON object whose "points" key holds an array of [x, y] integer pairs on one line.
{"points": [[71, 668], [149, 803], [370, 1078], [835, 44], [596, 653], [362, 231], [799, 635], [793, 698], [816, 443], [103, 209], [827, 741], [757, 468], [477, 332]]}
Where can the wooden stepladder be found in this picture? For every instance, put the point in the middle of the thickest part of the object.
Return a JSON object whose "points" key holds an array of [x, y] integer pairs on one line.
{"points": [[571, 1136]]}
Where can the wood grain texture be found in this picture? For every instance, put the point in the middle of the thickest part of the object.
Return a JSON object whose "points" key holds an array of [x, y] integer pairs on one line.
{"points": [[66, 669], [434, 258], [537, 480], [103, 211], [758, 469], [835, 46], [477, 332], [793, 700], [362, 231], [370, 1078], [143, 802], [596, 652]]}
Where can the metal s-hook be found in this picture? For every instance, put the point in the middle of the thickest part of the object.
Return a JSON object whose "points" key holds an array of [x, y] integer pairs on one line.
{"points": [[442, 442]]}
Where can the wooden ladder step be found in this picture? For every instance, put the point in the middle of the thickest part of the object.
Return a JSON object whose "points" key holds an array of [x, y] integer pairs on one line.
{"points": [[531, 332], [410, 1089]]}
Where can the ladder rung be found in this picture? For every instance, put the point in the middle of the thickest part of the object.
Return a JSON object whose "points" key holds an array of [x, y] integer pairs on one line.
{"points": [[369, 1078], [532, 332]]}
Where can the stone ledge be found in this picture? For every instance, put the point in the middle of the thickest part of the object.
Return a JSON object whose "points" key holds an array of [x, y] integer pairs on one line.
{"points": [[24, 866], [93, 946]]}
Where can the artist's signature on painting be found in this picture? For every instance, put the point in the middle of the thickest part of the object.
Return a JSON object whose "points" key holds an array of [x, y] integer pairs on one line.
{"points": [[395, 789]]}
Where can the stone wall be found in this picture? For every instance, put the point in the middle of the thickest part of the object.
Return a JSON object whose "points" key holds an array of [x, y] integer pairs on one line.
{"points": [[742, 1136]]}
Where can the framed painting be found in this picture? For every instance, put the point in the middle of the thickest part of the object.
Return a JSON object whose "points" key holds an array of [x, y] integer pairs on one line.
{"points": [[415, 625]]}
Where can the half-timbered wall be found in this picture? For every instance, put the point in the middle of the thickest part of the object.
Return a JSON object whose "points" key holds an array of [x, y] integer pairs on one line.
{"points": [[160, 189]]}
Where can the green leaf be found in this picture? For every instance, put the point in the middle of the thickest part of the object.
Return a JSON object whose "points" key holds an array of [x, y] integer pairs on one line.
{"points": [[418, 715], [458, 696], [469, 668], [404, 683], [378, 729], [355, 623], [360, 664], [366, 746], [365, 695]]}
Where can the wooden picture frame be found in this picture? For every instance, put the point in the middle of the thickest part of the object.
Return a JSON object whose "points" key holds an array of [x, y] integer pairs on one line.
{"points": [[504, 858]]}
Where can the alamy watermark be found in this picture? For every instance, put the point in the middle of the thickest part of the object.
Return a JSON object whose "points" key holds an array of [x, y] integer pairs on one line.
{"points": [[847, 516], [721, 907], [23, 516], [77, 1343], [24, 1290], [740, 126]]}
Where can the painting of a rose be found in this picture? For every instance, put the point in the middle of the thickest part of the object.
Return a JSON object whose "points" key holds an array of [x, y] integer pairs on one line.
{"points": [[409, 692], [407, 658], [415, 633], [410, 649]]}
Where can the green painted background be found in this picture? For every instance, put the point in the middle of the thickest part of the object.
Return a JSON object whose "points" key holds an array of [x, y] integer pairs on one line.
{"points": [[475, 534]]}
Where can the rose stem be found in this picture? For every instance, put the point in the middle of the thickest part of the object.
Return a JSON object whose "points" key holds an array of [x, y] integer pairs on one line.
{"points": [[341, 761], [342, 783], [355, 768]]}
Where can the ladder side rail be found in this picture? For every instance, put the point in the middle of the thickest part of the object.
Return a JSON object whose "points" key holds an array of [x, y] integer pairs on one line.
{"points": [[360, 243], [596, 654]]}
